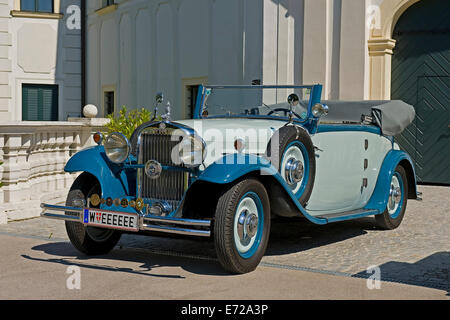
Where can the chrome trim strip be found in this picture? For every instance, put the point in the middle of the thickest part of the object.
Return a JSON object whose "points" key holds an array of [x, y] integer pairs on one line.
{"points": [[190, 232], [191, 222], [56, 216], [61, 208]]}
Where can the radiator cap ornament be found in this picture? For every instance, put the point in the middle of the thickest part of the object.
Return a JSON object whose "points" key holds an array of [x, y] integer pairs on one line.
{"points": [[153, 169]]}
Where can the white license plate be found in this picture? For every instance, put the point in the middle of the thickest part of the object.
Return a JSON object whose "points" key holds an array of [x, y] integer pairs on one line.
{"points": [[112, 220]]}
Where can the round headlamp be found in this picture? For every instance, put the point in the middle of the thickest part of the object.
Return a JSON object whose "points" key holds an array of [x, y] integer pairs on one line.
{"points": [[319, 110], [117, 147], [191, 151]]}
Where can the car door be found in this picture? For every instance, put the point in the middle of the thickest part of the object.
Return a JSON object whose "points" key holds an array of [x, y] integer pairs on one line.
{"points": [[339, 171]]}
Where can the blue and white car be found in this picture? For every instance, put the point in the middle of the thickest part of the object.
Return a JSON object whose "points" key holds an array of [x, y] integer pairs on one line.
{"points": [[250, 154]]}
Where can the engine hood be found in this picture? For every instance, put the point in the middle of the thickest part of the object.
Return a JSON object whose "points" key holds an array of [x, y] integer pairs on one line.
{"points": [[220, 135]]}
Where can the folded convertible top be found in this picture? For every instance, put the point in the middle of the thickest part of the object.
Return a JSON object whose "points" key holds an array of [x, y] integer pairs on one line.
{"points": [[391, 116]]}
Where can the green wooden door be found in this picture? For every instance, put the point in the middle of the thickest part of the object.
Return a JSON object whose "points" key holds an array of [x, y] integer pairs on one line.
{"points": [[39, 102], [421, 77]]}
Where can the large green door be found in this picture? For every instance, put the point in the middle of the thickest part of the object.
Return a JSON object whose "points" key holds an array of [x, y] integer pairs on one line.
{"points": [[421, 77]]}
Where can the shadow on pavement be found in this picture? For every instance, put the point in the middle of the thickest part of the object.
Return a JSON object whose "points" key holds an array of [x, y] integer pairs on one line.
{"points": [[149, 262], [297, 235], [431, 272], [287, 236]]}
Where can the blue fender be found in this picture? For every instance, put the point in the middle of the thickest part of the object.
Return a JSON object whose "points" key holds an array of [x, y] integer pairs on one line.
{"points": [[114, 180], [380, 195], [234, 166]]}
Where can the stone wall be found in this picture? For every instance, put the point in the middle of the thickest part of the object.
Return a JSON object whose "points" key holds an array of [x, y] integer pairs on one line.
{"points": [[34, 155]]}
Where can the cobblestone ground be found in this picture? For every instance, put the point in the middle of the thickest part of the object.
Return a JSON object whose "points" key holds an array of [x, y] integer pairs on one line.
{"points": [[417, 253]]}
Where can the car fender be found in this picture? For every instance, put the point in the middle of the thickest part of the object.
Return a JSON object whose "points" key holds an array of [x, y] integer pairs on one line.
{"points": [[114, 180], [380, 195], [234, 166]]}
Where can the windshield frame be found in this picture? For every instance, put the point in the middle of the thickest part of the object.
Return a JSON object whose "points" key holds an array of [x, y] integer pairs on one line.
{"points": [[314, 97]]}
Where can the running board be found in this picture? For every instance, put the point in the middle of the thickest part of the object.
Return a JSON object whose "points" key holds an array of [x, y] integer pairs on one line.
{"points": [[348, 215]]}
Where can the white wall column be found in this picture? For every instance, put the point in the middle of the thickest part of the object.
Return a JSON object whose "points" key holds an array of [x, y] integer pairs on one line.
{"points": [[316, 45], [354, 52]]}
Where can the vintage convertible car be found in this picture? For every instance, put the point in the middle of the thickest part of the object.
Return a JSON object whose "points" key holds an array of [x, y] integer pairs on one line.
{"points": [[250, 154]]}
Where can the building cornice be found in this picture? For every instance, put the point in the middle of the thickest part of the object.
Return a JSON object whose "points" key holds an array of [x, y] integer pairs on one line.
{"points": [[381, 47]]}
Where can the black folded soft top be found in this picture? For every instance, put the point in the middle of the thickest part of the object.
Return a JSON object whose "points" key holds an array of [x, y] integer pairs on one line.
{"points": [[391, 116]]}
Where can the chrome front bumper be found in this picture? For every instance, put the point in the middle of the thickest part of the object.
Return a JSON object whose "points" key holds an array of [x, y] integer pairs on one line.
{"points": [[146, 222]]}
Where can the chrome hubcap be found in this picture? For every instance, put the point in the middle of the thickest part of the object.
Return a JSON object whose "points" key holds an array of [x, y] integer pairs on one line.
{"points": [[395, 195], [294, 171], [247, 226], [293, 168]]}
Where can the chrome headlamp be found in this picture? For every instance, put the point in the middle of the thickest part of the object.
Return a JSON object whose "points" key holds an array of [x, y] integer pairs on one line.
{"points": [[117, 147], [319, 110], [191, 151]]}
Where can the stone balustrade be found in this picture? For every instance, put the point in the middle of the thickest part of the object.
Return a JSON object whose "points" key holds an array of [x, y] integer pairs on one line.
{"points": [[34, 155]]}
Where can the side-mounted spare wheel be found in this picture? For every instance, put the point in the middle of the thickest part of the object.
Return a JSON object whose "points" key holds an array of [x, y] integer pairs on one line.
{"points": [[242, 226], [292, 151], [88, 240]]}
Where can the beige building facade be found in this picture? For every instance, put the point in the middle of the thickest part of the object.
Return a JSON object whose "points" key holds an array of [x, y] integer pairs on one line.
{"points": [[123, 52], [39, 49], [137, 48]]}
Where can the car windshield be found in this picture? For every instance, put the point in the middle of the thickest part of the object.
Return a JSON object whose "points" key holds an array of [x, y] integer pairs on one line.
{"points": [[229, 101]]}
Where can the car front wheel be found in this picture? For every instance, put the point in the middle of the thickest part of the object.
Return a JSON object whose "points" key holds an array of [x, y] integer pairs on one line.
{"points": [[88, 240], [242, 226]]}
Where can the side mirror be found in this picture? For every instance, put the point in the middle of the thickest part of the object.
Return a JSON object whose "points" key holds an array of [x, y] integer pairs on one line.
{"points": [[159, 97], [293, 99], [320, 110]]}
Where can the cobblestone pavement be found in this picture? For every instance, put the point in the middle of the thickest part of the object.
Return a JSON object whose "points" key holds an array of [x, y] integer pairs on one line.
{"points": [[417, 253]]}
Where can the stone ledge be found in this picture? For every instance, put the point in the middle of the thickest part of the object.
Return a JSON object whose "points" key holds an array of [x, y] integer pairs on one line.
{"points": [[38, 15], [28, 126], [92, 122], [31, 208], [106, 10]]}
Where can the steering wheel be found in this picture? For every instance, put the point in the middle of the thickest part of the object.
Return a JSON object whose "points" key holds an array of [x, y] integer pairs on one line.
{"points": [[286, 112]]}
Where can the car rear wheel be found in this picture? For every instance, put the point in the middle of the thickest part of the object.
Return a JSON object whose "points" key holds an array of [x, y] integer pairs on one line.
{"points": [[242, 226], [392, 217], [88, 240]]}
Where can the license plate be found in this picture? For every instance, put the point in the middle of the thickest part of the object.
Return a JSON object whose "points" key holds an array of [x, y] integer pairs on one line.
{"points": [[112, 220]]}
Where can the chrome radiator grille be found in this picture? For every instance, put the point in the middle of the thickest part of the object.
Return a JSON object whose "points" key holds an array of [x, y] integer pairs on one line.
{"points": [[171, 185]]}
